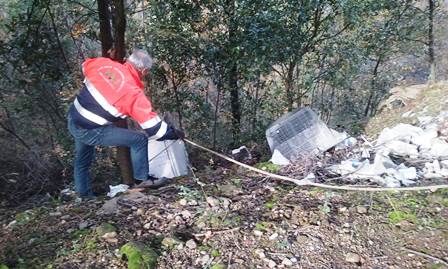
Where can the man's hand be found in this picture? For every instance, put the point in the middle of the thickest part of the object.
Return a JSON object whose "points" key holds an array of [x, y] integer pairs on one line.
{"points": [[179, 133], [172, 134]]}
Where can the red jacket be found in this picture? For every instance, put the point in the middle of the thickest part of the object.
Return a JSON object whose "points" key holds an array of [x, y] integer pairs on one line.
{"points": [[112, 91]]}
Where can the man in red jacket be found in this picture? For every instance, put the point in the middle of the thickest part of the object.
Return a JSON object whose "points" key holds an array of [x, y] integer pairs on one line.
{"points": [[114, 91]]}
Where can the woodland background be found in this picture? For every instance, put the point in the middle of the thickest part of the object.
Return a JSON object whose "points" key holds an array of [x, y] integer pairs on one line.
{"points": [[226, 68]]}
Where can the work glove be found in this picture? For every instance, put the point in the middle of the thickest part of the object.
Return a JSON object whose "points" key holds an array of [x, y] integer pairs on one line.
{"points": [[172, 134], [179, 133]]}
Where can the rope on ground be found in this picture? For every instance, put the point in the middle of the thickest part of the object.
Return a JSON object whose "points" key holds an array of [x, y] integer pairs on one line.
{"points": [[304, 182]]}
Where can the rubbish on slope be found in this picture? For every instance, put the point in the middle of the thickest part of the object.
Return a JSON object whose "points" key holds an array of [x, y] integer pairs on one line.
{"points": [[301, 133], [114, 190], [402, 155]]}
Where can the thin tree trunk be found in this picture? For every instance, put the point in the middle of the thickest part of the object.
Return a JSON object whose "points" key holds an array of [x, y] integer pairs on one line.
{"points": [[235, 102], [117, 53], [178, 102], [55, 29], [255, 108], [215, 120], [289, 84], [369, 108], [432, 74]]}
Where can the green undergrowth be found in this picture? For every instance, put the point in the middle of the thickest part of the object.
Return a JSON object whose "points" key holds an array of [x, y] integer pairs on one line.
{"points": [[419, 208], [268, 166]]}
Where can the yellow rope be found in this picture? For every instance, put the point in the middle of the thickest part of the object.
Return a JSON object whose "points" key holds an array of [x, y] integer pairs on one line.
{"points": [[304, 182]]}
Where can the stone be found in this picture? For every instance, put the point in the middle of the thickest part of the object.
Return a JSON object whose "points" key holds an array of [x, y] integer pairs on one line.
{"points": [[240, 261], [229, 190], [105, 228], [170, 242], [110, 207], [287, 262], [183, 202], [361, 209], [55, 214], [204, 259], [352, 258], [260, 253], [273, 236], [213, 202], [186, 214], [258, 233], [226, 203], [83, 225], [193, 202], [271, 263], [301, 239], [191, 244], [342, 209], [201, 225], [140, 212], [110, 237], [139, 256], [293, 260]]}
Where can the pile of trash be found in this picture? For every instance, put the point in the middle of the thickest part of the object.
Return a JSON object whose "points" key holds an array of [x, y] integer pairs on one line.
{"points": [[403, 155]]}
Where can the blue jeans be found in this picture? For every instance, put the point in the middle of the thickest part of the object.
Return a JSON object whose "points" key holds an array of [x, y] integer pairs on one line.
{"points": [[109, 135]]}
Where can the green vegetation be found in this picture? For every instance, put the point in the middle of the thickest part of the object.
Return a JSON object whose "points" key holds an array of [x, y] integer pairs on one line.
{"points": [[397, 216], [215, 253], [218, 266], [139, 256], [268, 166]]}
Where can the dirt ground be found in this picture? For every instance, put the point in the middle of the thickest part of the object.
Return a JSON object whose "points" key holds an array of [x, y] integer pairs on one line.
{"points": [[222, 219]]}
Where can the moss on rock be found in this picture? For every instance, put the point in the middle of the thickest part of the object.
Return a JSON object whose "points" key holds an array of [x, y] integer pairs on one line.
{"points": [[139, 255]]}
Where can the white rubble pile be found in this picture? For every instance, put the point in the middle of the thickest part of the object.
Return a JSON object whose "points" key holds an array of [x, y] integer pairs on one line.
{"points": [[423, 144]]}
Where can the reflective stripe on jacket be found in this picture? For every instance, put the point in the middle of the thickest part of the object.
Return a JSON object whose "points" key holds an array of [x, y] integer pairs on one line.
{"points": [[112, 91]]}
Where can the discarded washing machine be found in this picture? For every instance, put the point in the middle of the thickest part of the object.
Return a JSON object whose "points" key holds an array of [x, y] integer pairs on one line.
{"points": [[167, 159]]}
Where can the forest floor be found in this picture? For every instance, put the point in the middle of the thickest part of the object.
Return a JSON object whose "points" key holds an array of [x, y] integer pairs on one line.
{"points": [[234, 220], [228, 218]]}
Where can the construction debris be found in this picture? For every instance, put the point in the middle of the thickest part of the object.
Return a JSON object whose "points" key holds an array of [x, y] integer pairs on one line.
{"points": [[403, 155]]}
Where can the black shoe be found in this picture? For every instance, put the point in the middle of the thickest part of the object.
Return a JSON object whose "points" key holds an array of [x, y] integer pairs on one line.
{"points": [[153, 182]]}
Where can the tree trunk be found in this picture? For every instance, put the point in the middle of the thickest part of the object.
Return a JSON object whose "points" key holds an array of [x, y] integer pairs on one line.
{"points": [[232, 78], [115, 49], [432, 74], [235, 103], [255, 106], [215, 117], [369, 107], [105, 27], [55, 29], [178, 102], [289, 84], [119, 22]]}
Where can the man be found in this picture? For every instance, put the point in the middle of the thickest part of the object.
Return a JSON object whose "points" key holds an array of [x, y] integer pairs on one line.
{"points": [[114, 91]]}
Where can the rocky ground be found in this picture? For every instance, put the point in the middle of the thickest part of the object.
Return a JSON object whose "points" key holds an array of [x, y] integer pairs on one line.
{"points": [[227, 219]]}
